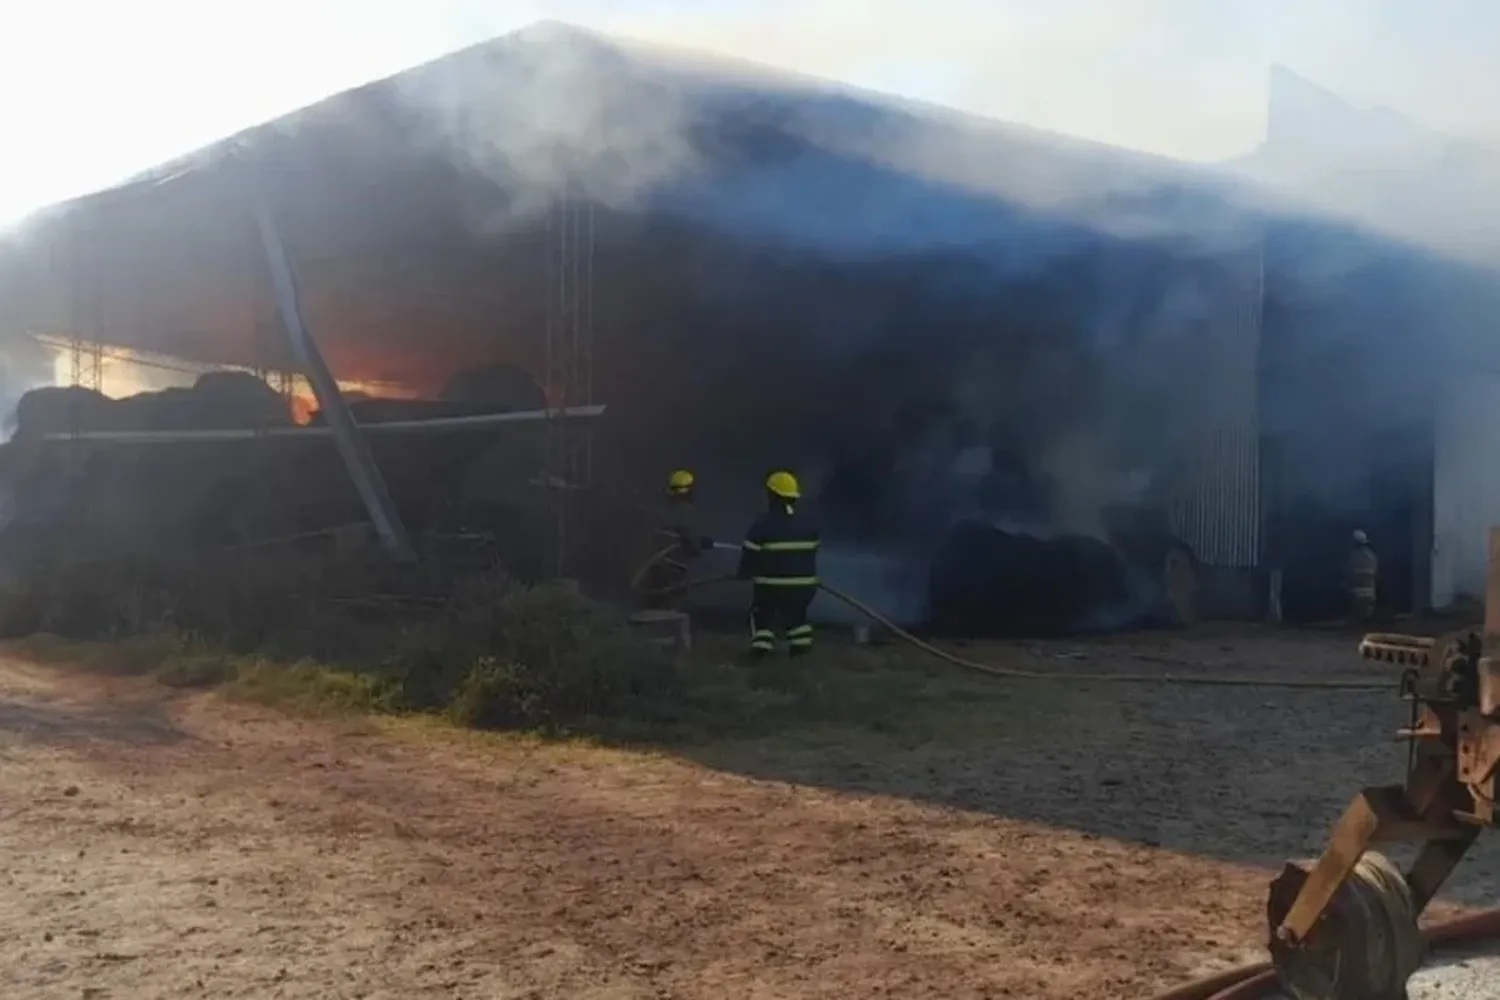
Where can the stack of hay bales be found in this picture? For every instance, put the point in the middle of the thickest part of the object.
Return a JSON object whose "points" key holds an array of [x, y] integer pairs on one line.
{"points": [[205, 493], [217, 400]]}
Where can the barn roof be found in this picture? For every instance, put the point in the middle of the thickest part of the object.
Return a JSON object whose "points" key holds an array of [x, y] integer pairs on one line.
{"points": [[418, 184]]}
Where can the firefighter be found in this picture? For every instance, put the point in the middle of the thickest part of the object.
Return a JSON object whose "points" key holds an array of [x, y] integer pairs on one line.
{"points": [[780, 559], [678, 530], [1361, 577]]}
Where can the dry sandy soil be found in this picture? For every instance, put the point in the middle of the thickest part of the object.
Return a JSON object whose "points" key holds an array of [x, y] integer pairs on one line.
{"points": [[1072, 841]]}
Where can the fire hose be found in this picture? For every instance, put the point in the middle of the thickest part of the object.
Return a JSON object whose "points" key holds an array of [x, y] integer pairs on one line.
{"points": [[665, 557], [1258, 981], [1372, 887]]}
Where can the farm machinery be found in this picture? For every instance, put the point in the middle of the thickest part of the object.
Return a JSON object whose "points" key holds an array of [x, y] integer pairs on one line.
{"points": [[1345, 926]]}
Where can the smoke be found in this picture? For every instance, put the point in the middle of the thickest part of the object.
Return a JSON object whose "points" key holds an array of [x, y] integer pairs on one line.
{"points": [[1084, 300], [1328, 158], [553, 110], [25, 364], [889, 581], [552, 113], [1088, 479], [1179, 78], [1086, 387]]}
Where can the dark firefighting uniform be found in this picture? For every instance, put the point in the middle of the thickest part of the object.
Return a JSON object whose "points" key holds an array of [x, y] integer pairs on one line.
{"points": [[679, 524], [780, 559], [1361, 576]]}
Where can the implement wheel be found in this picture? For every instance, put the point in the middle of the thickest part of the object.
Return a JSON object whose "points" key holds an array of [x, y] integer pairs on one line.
{"points": [[1366, 945]]}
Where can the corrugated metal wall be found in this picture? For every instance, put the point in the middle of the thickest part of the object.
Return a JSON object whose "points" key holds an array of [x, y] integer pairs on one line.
{"points": [[1465, 486], [1214, 504]]}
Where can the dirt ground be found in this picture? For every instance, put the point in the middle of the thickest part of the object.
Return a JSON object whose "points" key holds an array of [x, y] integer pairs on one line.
{"points": [[1045, 842]]}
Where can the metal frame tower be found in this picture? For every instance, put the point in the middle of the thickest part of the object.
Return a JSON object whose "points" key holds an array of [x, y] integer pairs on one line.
{"points": [[85, 367], [569, 369], [85, 363], [85, 355]]}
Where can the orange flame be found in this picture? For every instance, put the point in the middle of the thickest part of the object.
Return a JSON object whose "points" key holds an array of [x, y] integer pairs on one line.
{"points": [[302, 409]]}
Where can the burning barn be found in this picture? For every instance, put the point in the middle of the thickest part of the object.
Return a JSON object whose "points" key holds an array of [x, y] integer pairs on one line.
{"points": [[995, 355]]}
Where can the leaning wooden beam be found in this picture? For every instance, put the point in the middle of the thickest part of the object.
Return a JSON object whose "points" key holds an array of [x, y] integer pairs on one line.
{"points": [[433, 425]]}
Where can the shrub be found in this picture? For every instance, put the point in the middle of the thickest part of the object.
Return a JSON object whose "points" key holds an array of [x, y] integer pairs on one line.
{"points": [[510, 655], [77, 599], [241, 600], [313, 688], [495, 695], [359, 634], [147, 652], [194, 670]]}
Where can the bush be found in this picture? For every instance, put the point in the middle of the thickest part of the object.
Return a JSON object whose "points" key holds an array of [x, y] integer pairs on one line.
{"points": [[131, 656], [148, 652], [242, 600], [494, 695], [313, 688], [357, 634], [196, 670], [78, 599], [509, 655]]}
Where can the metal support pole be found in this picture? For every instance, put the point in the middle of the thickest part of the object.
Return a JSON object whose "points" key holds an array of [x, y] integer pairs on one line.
{"points": [[351, 444]]}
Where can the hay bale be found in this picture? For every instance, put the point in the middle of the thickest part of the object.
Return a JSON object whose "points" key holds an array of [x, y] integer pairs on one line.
{"points": [[60, 410], [500, 388], [239, 399], [217, 400], [989, 582]]}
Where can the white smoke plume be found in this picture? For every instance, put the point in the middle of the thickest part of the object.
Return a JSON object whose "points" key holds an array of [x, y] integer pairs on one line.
{"points": [[1184, 79], [24, 365], [552, 112]]}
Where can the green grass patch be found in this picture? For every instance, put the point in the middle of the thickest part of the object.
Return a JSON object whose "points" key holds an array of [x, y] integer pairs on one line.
{"points": [[320, 632], [311, 688], [338, 636]]}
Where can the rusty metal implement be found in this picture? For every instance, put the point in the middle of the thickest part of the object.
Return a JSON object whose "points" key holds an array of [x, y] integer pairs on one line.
{"points": [[1345, 926]]}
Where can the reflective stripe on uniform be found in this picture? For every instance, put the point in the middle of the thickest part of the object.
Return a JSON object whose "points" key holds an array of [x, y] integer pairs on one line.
{"points": [[763, 638], [781, 549], [750, 546], [801, 635]]}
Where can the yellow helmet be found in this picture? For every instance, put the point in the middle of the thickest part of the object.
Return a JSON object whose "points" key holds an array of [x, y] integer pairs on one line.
{"points": [[680, 481], [784, 485]]}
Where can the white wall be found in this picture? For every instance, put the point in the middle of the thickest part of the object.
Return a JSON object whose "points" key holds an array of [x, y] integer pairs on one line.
{"points": [[1465, 486]]}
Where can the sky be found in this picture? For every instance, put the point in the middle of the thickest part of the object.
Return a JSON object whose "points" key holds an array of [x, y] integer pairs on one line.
{"points": [[94, 90]]}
